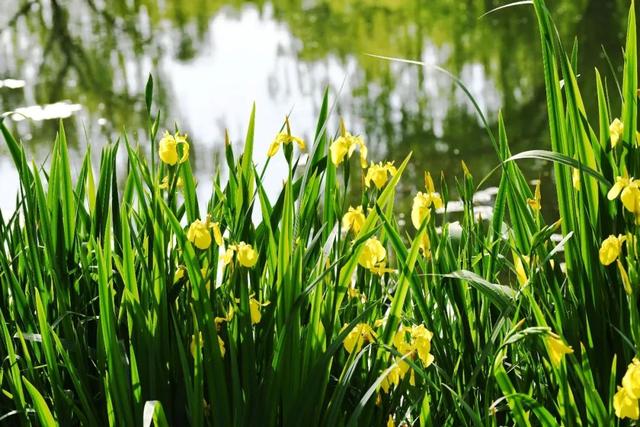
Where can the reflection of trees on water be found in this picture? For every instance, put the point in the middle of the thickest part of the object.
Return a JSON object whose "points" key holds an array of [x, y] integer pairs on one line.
{"points": [[98, 56]]}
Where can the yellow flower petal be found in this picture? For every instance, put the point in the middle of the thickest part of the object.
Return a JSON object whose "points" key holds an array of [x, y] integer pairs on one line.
{"points": [[221, 346], [273, 149], [339, 149], [360, 334], [390, 422], [345, 145], [227, 257], [377, 173], [421, 209], [610, 249], [199, 234], [353, 219], [217, 234], [534, 203], [631, 379], [164, 184], [557, 349], [254, 308], [625, 405], [616, 129], [630, 197], [167, 149], [247, 256], [619, 185], [372, 254]]}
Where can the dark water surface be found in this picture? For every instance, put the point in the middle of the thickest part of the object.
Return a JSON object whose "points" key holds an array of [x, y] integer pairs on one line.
{"points": [[87, 61]]}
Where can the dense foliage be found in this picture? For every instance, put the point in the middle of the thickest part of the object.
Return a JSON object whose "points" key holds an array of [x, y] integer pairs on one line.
{"points": [[124, 300]]}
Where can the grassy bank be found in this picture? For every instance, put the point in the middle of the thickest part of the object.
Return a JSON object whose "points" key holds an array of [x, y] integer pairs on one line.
{"points": [[125, 300]]}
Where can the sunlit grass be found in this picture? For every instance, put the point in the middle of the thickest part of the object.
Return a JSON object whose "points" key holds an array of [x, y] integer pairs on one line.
{"points": [[129, 301]]}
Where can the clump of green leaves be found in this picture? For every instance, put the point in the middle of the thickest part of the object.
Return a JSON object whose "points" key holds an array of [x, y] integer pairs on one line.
{"points": [[118, 307]]}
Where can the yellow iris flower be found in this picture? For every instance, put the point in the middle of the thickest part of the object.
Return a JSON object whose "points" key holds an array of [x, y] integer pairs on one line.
{"points": [[611, 248], [629, 192], [415, 339], [631, 379], [360, 334], [625, 405], [284, 138], [345, 145], [168, 148], [199, 234], [247, 256], [422, 202], [378, 174], [557, 349], [372, 254], [621, 183], [412, 342], [353, 219], [616, 130]]}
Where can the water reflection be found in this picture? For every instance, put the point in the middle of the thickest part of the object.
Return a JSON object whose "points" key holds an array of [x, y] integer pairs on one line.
{"points": [[212, 59]]}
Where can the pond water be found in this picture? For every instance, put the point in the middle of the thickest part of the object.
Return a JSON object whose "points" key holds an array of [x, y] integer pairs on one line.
{"points": [[87, 61]]}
